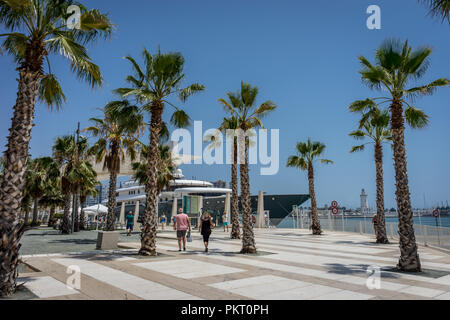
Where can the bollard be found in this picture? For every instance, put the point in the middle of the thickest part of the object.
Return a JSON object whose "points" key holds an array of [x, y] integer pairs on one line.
{"points": [[360, 227], [425, 233]]}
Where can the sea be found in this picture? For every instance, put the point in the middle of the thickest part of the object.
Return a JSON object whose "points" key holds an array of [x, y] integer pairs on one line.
{"points": [[443, 221]]}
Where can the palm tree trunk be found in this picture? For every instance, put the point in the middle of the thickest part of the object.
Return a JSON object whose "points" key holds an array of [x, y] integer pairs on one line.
{"points": [[316, 228], [16, 157], [82, 215], [236, 230], [76, 224], [51, 218], [111, 218], [248, 240], [35, 212], [149, 225], [27, 216], [381, 227], [66, 227], [409, 258]]}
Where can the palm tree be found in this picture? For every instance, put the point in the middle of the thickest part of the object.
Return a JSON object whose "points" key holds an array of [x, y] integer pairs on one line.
{"points": [[308, 153], [396, 66], [53, 198], [376, 128], [152, 86], [439, 8], [165, 168], [231, 124], [87, 188], [40, 174], [26, 205], [67, 153], [37, 29], [117, 134], [242, 105]]}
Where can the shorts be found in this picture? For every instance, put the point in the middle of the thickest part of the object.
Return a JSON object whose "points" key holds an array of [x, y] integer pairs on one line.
{"points": [[129, 227], [181, 234], [225, 224], [206, 237]]}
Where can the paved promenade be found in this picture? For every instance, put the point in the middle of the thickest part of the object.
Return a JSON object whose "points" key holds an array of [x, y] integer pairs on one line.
{"points": [[291, 265]]}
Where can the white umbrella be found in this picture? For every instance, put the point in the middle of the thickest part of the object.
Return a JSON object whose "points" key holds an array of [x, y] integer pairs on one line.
{"points": [[98, 208]]}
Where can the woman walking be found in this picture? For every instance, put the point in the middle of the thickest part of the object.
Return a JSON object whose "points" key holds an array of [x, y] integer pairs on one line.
{"points": [[206, 225]]}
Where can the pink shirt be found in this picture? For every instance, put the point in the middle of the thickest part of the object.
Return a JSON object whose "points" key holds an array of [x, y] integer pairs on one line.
{"points": [[182, 222]]}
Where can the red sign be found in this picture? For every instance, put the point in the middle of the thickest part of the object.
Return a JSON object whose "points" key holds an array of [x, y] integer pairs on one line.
{"points": [[335, 211], [436, 213], [334, 204]]}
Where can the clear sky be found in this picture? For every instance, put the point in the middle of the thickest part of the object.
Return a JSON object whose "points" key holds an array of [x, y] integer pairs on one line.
{"points": [[301, 54]]}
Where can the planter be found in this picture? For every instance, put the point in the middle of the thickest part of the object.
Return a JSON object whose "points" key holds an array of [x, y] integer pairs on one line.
{"points": [[107, 240]]}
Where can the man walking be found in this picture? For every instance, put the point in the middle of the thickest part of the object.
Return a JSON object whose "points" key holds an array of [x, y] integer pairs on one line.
{"points": [[225, 222], [182, 225], [130, 223]]}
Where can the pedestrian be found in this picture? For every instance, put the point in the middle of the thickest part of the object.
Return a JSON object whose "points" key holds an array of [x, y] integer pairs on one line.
{"points": [[375, 223], [163, 221], [182, 225], [130, 223], [225, 222], [206, 225]]}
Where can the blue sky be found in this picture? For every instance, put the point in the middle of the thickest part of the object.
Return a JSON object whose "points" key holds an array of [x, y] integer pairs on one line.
{"points": [[301, 54]]}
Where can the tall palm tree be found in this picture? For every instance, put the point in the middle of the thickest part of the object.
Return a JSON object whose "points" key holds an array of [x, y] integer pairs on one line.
{"points": [[396, 66], [87, 188], [26, 205], [242, 105], [228, 125], [52, 199], [66, 151], [375, 127], [117, 134], [36, 30], [153, 86], [165, 168], [81, 174], [40, 174], [439, 8], [307, 153]]}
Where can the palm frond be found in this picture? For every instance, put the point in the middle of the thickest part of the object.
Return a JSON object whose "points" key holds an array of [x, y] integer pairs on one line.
{"points": [[416, 118], [50, 91], [180, 119], [191, 90], [428, 89], [358, 148], [326, 161]]}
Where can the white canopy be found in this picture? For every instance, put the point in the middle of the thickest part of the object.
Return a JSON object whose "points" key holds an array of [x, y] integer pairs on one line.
{"points": [[98, 208], [62, 211]]}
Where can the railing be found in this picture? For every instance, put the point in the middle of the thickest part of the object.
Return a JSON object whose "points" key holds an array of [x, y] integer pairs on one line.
{"points": [[425, 234]]}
